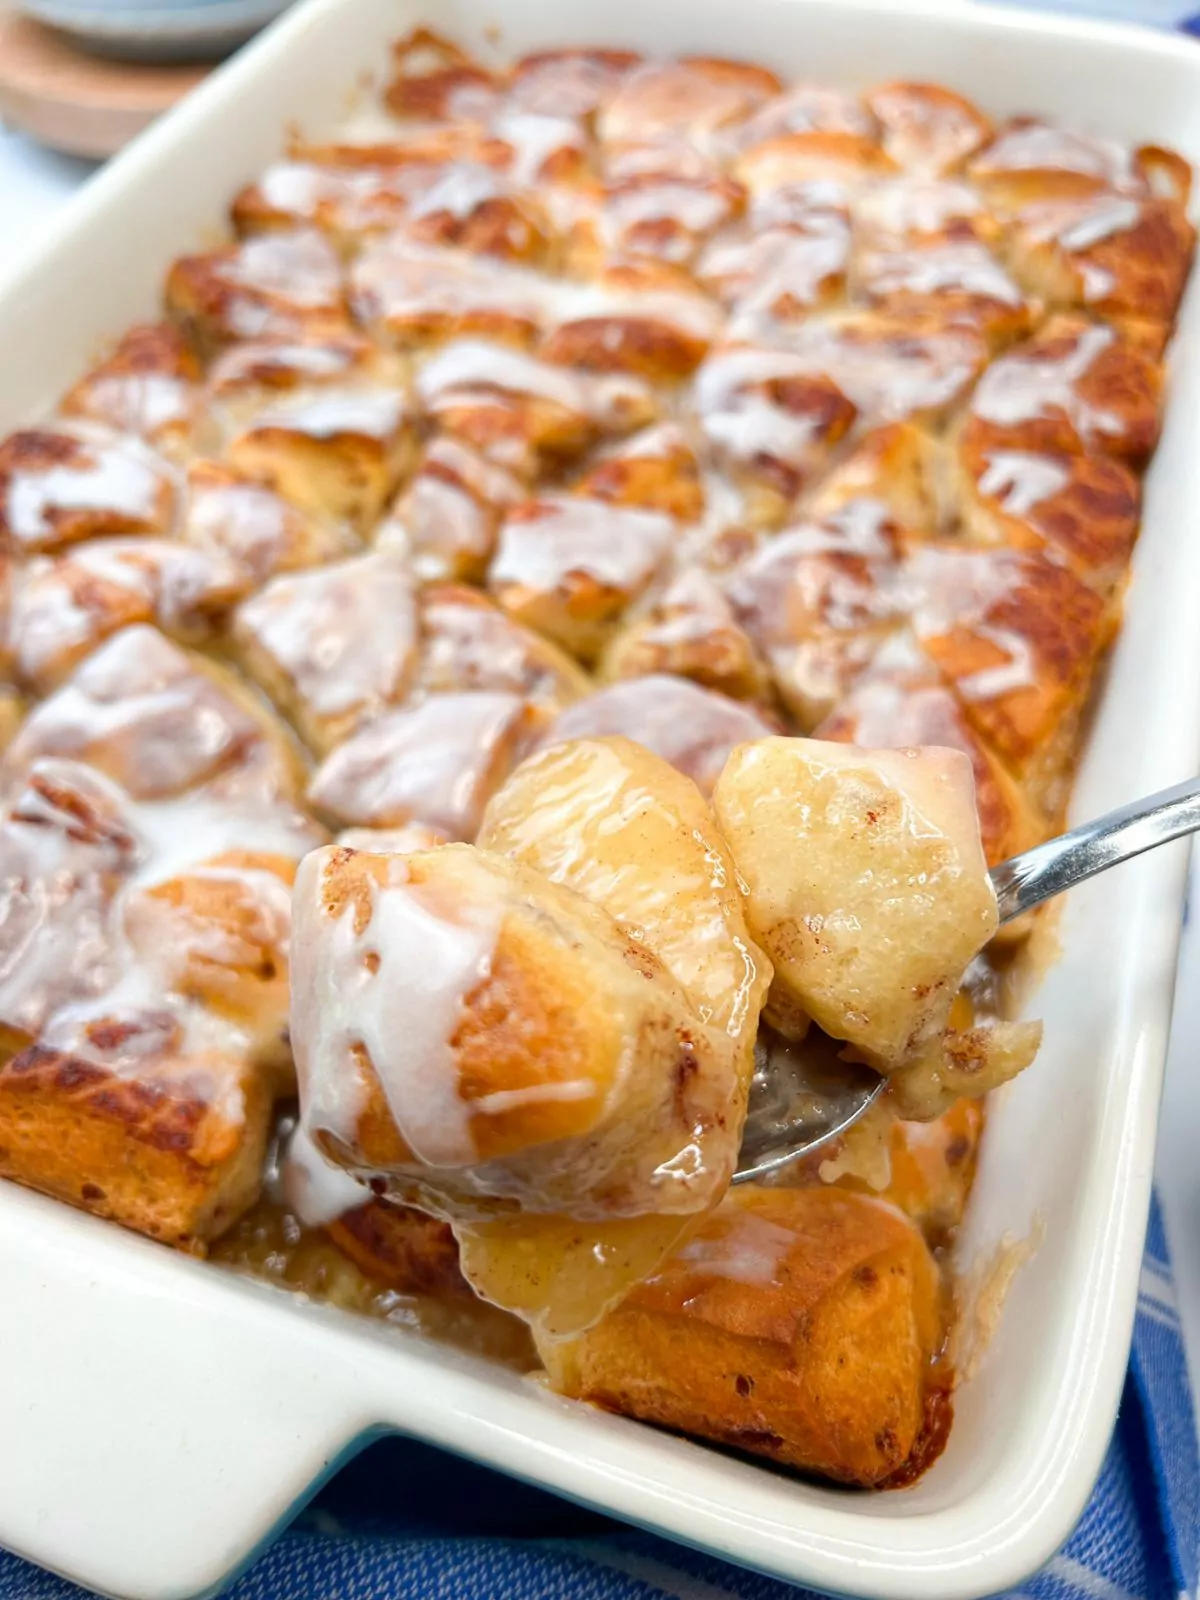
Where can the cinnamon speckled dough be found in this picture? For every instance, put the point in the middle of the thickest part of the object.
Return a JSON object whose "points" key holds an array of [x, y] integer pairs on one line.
{"points": [[160, 721], [867, 885], [332, 646], [79, 480], [140, 1021], [797, 1324], [149, 385], [558, 1068]]}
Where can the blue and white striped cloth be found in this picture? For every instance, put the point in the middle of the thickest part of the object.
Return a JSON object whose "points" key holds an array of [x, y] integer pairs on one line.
{"points": [[406, 1522]]}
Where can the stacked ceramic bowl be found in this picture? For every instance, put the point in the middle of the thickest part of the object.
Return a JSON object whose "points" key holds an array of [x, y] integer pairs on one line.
{"points": [[157, 30]]}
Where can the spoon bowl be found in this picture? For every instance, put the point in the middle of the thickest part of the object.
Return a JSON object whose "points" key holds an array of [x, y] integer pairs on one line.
{"points": [[802, 1097]]}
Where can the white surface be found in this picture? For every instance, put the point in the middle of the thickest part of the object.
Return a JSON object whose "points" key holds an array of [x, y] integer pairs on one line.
{"points": [[156, 1418]]}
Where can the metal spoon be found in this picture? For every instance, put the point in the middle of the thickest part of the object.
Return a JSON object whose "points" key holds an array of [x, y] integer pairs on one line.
{"points": [[803, 1097]]}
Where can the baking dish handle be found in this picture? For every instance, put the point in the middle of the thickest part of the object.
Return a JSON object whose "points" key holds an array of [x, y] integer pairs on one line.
{"points": [[159, 1417]]}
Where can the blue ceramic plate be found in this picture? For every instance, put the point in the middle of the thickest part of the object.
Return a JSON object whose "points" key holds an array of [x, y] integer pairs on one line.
{"points": [[167, 30]]}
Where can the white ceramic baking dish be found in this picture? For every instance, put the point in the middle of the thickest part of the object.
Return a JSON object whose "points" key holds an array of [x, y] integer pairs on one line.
{"points": [[159, 1418]]}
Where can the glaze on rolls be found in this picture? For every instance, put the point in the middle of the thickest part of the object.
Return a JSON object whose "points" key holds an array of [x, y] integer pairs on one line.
{"points": [[580, 1067]]}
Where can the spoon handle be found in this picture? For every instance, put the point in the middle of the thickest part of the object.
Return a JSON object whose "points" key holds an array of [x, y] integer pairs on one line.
{"points": [[1036, 875]]}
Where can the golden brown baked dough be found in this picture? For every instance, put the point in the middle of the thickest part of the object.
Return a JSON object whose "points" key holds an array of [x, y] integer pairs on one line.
{"points": [[437, 762], [332, 646], [62, 607], [799, 1324], [445, 522], [406, 1249], [149, 385], [76, 481], [281, 284], [225, 511], [569, 566], [469, 643], [159, 721]]}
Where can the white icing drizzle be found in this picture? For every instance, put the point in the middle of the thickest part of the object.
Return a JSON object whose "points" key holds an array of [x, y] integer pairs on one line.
{"points": [[535, 139], [312, 1187], [1041, 147], [1021, 387], [692, 728], [958, 268], [436, 762], [140, 402], [298, 269], [372, 414], [902, 207], [395, 279], [397, 988], [283, 364], [748, 1249], [105, 473], [57, 606], [1081, 226], [615, 545], [140, 702], [1021, 481], [466, 368], [344, 634]]}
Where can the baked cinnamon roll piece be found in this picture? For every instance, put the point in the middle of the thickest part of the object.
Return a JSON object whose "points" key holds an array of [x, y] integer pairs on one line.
{"points": [[446, 521], [277, 285], [67, 482], [686, 627], [412, 295], [347, 201], [526, 415], [1077, 386], [1033, 160], [436, 762], [1018, 636], [959, 283], [333, 646], [896, 472], [569, 567], [569, 83], [147, 1093], [257, 374], [149, 386], [339, 454], [1081, 509], [925, 128], [818, 600], [63, 607], [638, 316], [158, 721], [796, 1324], [771, 419], [1116, 255], [468, 643], [437, 81], [656, 470], [696, 98], [230, 514]]}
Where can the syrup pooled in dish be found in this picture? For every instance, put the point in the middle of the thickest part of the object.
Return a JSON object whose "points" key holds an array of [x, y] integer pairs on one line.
{"points": [[554, 488]]}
